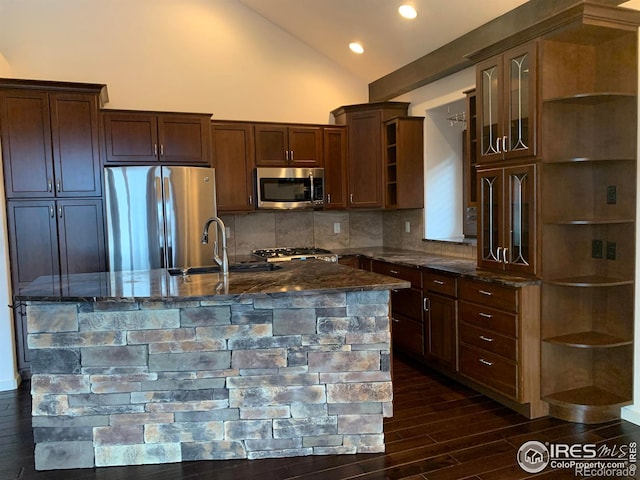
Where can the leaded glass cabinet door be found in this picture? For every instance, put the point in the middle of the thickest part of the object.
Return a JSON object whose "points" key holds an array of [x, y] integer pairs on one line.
{"points": [[519, 248], [520, 106], [491, 219], [489, 107]]}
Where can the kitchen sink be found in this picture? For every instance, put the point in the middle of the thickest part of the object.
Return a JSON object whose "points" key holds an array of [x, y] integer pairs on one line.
{"points": [[234, 267]]}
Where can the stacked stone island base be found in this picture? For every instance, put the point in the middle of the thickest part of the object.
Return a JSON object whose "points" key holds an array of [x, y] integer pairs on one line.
{"points": [[246, 376]]}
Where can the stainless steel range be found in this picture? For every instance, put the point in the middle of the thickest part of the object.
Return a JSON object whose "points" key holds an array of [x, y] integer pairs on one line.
{"points": [[285, 254]]}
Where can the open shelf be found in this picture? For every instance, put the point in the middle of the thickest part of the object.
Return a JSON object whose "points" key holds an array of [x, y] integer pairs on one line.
{"points": [[589, 339], [592, 98], [586, 405], [589, 281]]}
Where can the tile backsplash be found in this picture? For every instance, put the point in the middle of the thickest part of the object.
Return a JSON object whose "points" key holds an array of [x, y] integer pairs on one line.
{"points": [[335, 230]]}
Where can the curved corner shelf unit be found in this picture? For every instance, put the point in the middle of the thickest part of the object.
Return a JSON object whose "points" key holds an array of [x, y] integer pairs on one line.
{"points": [[589, 281], [591, 98], [586, 405], [589, 339]]}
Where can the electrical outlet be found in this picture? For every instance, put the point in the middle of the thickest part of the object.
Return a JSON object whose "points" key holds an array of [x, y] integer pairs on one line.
{"points": [[611, 250], [227, 231], [407, 227], [596, 248], [612, 195], [336, 228]]}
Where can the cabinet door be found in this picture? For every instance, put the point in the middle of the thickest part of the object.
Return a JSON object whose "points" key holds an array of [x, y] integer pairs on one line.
{"points": [[520, 79], [272, 147], [520, 236], [131, 137], [26, 144], [489, 109], [365, 159], [441, 322], [305, 146], [76, 157], [183, 139], [335, 162], [491, 219], [233, 159], [81, 236]]}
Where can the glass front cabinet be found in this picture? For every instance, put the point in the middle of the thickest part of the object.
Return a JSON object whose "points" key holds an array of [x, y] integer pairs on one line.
{"points": [[507, 198], [506, 109]]}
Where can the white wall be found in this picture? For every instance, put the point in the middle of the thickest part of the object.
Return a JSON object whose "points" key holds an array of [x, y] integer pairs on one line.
{"points": [[213, 56], [442, 177]]}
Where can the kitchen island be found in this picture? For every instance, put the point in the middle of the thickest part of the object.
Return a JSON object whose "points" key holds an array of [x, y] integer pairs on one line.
{"points": [[144, 367]]}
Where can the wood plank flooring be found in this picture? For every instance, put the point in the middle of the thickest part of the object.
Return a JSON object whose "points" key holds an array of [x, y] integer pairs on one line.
{"points": [[440, 430]]}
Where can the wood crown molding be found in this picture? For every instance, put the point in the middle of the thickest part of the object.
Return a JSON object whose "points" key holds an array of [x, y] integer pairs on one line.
{"points": [[524, 23]]}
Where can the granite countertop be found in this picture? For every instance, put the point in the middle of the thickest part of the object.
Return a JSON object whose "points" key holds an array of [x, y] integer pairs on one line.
{"points": [[462, 267], [309, 276]]}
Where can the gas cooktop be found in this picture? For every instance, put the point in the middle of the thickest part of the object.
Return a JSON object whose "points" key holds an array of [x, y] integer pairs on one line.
{"points": [[284, 254]]}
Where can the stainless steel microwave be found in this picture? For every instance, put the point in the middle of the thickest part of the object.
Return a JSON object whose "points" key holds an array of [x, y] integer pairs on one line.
{"points": [[289, 188]]}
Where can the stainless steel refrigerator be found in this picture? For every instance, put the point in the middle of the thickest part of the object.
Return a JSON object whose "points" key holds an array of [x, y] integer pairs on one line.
{"points": [[155, 216]]}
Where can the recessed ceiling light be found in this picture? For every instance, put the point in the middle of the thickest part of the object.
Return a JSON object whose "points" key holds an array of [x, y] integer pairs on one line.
{"points": [[407, 11], [356, 47]]}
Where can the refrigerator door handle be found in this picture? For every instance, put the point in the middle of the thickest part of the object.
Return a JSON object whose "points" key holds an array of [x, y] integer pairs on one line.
{"points": [[168, 219], [160, 209]]}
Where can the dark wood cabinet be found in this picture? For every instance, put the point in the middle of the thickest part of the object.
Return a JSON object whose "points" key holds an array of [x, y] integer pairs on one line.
{"points": [[404, 162], [368, 180], [232, 150], [52, 238], [440, 312], [280, 145], [335, 167], [407, 329], [499, 341], [147, 137], [50, 144], [506, 104], [507, 217]]}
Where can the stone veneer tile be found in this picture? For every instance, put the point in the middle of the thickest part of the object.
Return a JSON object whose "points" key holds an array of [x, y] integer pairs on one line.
{"points": [[188, 346], [298, 452], [114, 356], [57, 384], [161, 335], [55, 360], [52, 317], [129, 320], [247, 429], [355, 392], [205, 316], [257, 397], [185, 432], [141, 418], [176, 362], [118, 435], [264, 413], [273, 380], [222, 450], [294, 322], [137, 454], [64, 455], [231, 331], [359, 424], [302, 427], [344, 361], [71, 340]]}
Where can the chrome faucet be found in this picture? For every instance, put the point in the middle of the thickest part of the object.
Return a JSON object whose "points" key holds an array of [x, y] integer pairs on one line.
{"points": [[224, 261]]}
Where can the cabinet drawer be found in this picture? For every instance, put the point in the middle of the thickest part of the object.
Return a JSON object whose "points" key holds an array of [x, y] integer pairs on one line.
{"points": [[489, 369], [399, 271], [407, 302], [489, 340], [489, 318], [489, 294], [438, 283], [406, 334]]}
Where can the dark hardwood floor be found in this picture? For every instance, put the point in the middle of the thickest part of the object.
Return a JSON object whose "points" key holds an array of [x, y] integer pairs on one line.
{"points": [[440, 430]]}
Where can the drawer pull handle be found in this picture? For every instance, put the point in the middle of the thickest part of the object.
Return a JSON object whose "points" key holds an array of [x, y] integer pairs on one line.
{"points": [[395, 320], [438, 282], [486, 362], [486, 339], [485, 315], [394, 272], [484, 292]]}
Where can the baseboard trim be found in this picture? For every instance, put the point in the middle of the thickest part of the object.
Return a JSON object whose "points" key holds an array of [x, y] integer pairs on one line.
{"points": [[9, 384], [631, 413]]}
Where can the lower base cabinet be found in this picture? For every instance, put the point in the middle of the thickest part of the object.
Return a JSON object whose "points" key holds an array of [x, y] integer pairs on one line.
{"points": [[440, 319]]}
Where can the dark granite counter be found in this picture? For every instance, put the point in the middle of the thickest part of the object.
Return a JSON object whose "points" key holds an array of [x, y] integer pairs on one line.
{"points": [[310, 276], [462, 267]]}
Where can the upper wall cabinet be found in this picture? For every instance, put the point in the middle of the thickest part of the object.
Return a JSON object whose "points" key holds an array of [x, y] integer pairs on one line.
{"points": [[145, 137], [335, 164], [50, 144], [233, 158], [506, 105], [385, 159], [288, 145]]}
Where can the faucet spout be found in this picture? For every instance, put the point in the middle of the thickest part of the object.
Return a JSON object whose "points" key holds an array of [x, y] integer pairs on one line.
{"points": [[224, 260]]}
